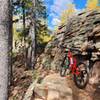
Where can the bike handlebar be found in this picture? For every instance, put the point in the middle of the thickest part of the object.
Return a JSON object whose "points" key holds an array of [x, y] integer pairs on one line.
{"points": [[74, 49], [71, 49]]}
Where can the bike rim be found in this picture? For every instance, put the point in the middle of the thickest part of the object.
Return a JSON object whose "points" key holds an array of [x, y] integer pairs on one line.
{"points": [[82, 77]]}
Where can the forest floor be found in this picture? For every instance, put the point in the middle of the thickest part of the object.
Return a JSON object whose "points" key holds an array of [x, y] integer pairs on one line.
{"points": [[22, 78]]}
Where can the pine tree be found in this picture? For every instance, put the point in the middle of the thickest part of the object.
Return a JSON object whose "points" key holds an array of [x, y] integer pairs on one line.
{"points": [[5, 46]]}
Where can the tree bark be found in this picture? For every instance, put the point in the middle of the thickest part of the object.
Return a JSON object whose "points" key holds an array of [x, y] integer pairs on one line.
{"points": [[10, 38], [23, 8], [32, 33], [33, 46], [5, 46]]}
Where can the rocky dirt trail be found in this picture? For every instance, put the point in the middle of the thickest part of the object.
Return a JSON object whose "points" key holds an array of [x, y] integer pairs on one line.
{"points": [[89, 93], [80, 94], [50, 87], [68, 90]]}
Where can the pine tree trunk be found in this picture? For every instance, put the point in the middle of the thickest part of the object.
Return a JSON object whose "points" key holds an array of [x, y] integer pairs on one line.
{"points": [[5, 46], [10, 70], [33, 46], [32, 33]]}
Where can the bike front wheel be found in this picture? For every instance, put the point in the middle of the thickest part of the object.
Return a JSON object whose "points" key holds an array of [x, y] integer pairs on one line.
{"points": [[63, 72], [81, 80], [64, 67]]}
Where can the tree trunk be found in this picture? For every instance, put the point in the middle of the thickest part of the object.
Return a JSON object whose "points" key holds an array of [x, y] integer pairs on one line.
{"points": [[24, 33], [5, 46], [32, 33], [23, 8], [33, 46], [10, 70]]}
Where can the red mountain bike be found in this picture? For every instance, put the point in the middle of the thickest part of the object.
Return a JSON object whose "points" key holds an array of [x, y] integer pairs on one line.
{"points": [[79, 70]]}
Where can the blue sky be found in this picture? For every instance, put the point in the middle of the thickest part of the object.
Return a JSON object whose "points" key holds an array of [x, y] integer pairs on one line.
{"points": [[55, 8]]}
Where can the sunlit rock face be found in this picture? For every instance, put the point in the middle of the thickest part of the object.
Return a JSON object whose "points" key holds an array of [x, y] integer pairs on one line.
{"points": [[74, 34], [95, 75]]}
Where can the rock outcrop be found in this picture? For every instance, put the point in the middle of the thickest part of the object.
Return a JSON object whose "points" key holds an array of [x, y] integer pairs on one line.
{"points": [[53, 87], [77, 31], [73, 34], [95, 75], [80, 27]]}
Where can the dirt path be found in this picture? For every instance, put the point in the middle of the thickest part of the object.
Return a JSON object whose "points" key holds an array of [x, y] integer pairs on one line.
{"points": [[23, 78], [89, 93]]}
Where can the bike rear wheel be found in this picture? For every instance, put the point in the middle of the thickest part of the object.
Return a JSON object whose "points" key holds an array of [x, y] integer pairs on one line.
{"points": [[81, 80]]}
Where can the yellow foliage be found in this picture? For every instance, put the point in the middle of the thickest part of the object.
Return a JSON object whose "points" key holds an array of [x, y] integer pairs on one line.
{"points": [[15, 33], [17, 26], [92, 4], [45, 38], [66, 13]]}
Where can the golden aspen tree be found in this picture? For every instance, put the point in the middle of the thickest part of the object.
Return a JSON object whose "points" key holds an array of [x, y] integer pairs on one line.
{"points": [[66, 13], [92, 4]]}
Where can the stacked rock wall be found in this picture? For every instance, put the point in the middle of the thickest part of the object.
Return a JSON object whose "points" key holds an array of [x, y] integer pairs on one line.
{"points": [[74, 33]]}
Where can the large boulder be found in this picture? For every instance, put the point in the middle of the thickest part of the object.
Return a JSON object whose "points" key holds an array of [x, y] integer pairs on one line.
{"points": [[95, 74], [53, 87]]}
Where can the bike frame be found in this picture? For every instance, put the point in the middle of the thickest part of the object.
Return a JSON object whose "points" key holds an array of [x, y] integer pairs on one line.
{"points": [[73, 63]]}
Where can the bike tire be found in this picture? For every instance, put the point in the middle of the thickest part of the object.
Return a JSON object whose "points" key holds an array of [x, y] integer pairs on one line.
{"points": [[76, 77], [63, 69], [63, 72]]}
